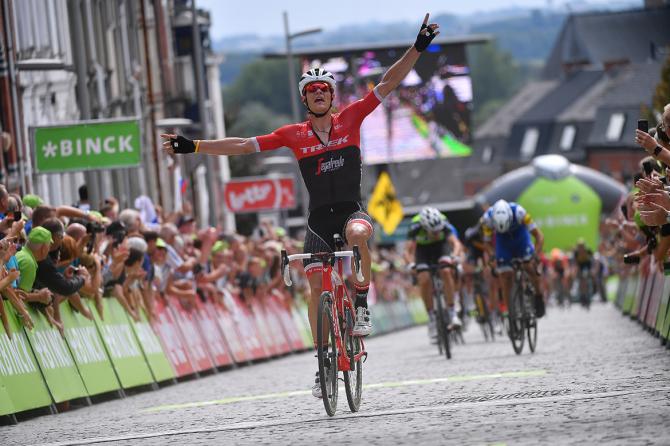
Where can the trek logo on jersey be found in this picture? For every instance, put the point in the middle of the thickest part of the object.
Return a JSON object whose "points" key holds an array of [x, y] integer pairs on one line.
{"points": [[316, 148], [330, 165]]}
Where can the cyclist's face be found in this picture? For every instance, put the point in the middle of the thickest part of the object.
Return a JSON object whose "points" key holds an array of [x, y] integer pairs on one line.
{"points": [[318, 96]]}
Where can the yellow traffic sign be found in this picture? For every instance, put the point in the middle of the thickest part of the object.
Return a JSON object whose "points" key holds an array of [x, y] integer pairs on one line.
{"points": [[384, 205]]}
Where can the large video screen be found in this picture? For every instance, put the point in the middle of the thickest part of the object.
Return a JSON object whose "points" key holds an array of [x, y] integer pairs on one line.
{"points": [[427, 117]]}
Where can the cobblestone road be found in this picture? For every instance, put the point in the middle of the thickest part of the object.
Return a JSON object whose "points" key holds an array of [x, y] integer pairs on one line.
{"points": [[596, 377]]}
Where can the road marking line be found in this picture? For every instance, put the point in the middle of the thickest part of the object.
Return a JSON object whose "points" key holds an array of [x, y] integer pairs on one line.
{"points": [[386, 385], [381, 413]]}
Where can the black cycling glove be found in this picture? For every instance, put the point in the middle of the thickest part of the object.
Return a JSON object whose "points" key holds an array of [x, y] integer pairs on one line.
{"points": [[423, 40], [182, 145]]}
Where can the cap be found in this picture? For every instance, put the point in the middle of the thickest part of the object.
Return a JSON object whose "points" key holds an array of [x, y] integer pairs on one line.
{"points": [[219, 246], [185, 219], [160, 243], [32, 201], [40, 235]]}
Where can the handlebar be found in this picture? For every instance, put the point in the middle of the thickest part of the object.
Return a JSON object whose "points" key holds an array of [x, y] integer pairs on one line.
{"points": [[323, 257]]}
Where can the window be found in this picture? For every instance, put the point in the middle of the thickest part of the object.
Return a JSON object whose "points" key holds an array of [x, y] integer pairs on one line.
{"points": [[529, 143], [615, 127], [487, 154], [568, 137]]}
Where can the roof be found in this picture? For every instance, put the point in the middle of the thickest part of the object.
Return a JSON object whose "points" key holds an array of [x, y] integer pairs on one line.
{"points": [[562, 97], [602, 38], [500, 124], [448, 40]]}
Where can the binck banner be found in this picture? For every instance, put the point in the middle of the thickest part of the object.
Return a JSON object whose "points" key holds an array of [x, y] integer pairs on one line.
{"points": [[87, 145]]}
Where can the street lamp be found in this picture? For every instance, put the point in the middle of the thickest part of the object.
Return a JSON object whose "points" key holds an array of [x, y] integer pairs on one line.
{"points": [[289, 57]]}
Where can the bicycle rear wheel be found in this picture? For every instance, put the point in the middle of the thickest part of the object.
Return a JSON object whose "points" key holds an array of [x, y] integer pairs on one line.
{"points": [[442, 327], [516, 325], [353, 379], [325, 334], [529, 319]]}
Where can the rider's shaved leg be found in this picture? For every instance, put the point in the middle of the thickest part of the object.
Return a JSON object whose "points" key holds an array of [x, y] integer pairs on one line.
{"points": [[359, 234], [426, 289], [313, 304]]}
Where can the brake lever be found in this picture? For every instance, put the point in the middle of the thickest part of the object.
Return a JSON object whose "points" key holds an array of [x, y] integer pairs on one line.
{"points": [[286, 271]]}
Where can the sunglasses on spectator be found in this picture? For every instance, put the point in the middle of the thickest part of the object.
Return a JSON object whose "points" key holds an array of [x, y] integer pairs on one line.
{"points": [[314, 86]]}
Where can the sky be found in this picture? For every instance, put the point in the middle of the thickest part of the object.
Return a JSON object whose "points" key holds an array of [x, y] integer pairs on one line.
{"points": [[264, 17]]}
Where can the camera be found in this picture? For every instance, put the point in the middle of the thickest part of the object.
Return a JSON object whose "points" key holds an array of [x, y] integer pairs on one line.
{"points": [[94, 228]]}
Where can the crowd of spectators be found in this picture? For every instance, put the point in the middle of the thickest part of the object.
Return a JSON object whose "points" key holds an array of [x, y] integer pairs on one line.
{"points": [[136, 255], [643, 226]]}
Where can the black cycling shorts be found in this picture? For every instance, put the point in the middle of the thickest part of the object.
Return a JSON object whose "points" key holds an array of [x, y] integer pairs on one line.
{"points": [[324, 222], [431, 254]]}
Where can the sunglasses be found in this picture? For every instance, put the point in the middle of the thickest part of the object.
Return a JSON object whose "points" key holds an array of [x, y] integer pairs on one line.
{"points": [[314, 86]]}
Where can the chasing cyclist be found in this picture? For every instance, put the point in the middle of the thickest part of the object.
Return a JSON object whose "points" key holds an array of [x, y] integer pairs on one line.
{"points": [[431, 240], [512, 227], [327, 148], [584, 272]]}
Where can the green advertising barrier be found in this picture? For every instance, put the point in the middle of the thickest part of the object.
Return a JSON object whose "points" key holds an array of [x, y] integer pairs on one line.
{"points": [[87, 145], [55, 360], [418, 310], [153, 351], [565, 210], [303, 326], [21, 382], [121, 344], [632, 288], [611, 288], [666, 327], [88, 351], [6, 406]]}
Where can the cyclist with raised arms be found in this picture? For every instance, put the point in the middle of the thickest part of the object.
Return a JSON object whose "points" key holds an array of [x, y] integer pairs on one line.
{"points": [[431, 240], [327, 148], [513, 227]]}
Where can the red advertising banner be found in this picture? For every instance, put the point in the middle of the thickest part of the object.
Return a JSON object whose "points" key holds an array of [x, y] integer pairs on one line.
{"points": [[214, 341], [257, 194], [166, 328], [225, 320], [188, 326], [287, 323], [246, 326]]}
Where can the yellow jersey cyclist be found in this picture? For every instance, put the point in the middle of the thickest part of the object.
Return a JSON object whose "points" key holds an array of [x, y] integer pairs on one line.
{"points": [[431, 240], [508, 227]]}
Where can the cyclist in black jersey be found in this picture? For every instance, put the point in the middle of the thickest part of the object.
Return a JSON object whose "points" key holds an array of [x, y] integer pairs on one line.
{"points": [[431, 240], [327, 147]]}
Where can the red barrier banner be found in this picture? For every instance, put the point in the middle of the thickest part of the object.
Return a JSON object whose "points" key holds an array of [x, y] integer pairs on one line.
{"points": [[274, 324], [287, 323], [260, 194], [226, 323], [170, 337], [188, 326], [209, 330], [246, 326], [272, 342]]}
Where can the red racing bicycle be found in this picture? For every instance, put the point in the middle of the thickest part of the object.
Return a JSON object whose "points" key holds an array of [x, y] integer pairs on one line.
{"points": [[337, 348]]}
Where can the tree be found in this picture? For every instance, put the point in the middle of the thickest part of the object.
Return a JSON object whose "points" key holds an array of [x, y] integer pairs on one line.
{"points": [[264, 81], [253, 119], [496, 76]]}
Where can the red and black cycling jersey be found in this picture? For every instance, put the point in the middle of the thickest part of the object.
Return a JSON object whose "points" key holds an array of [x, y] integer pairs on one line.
{"points": [[332, 172]]}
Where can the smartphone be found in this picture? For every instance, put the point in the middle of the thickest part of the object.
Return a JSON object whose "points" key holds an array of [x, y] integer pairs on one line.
{"points": [[17, 216], [643, 124]]}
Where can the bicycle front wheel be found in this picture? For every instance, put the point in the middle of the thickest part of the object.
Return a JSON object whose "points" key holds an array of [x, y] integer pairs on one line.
{"points": [[327, 353], [353, 379], [442, 327], [516, 325]]}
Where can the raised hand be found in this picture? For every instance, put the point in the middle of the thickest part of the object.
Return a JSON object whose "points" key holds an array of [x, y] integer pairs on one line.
{"points": [[426, 34]]}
